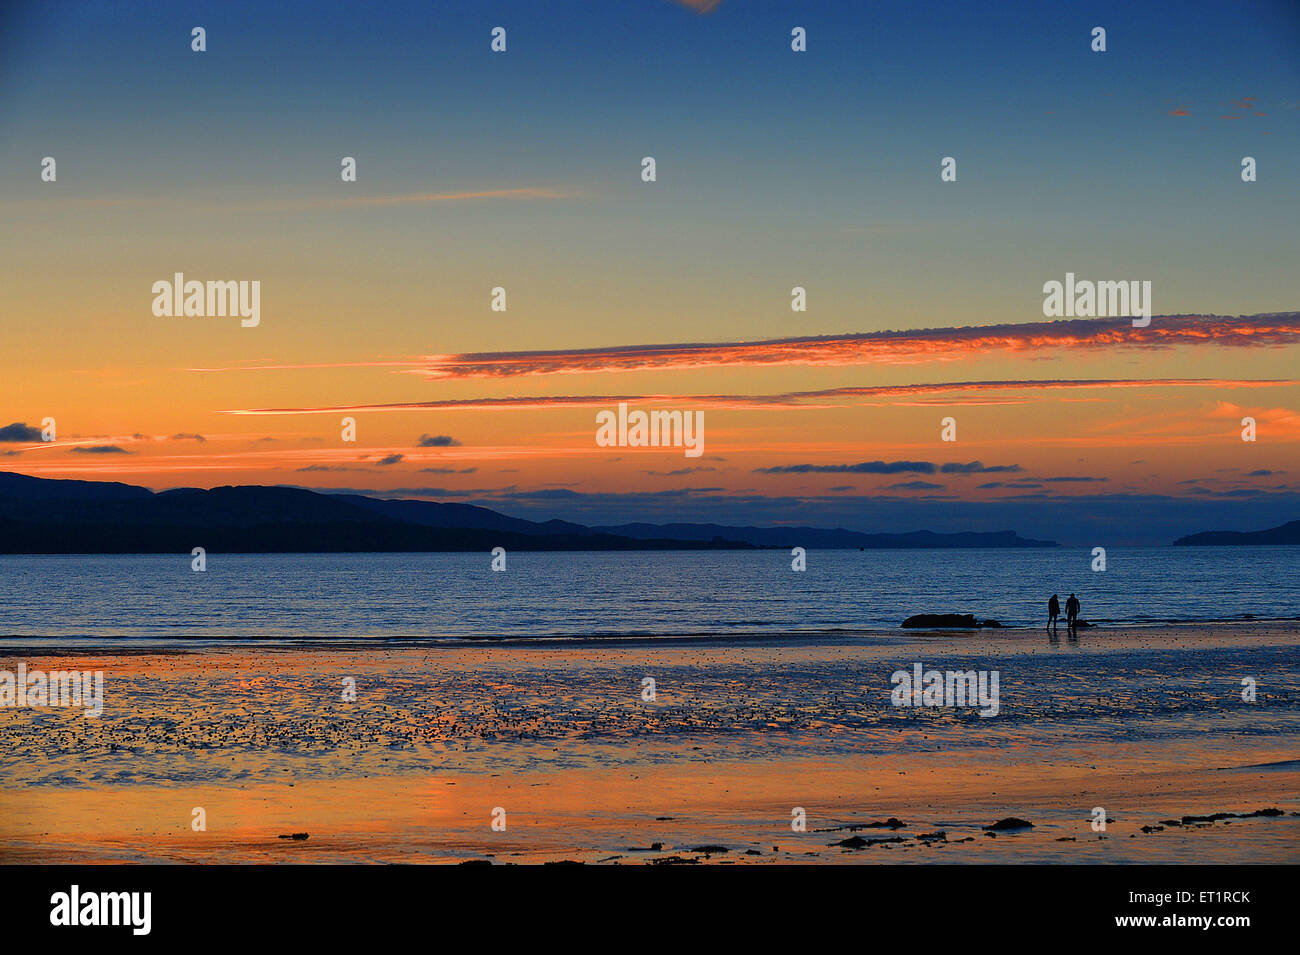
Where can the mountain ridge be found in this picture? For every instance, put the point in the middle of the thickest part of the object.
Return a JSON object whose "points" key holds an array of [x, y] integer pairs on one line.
{"points": [[1288, 533], [55, 516]]}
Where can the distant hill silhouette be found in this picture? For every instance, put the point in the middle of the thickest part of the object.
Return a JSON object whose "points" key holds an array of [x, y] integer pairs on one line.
{"points": [[25, 487], [1288, 533], [832, 539], [43, 516]]}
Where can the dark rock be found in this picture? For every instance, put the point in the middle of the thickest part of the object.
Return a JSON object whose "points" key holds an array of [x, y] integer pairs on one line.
{"points": [[708, 850], [674, 860], [297, 836], [890, 823], [857, 842], [1216, 816], [653, 847], [962, 621], [476, 862], [1212, 817], [1011, 822]]}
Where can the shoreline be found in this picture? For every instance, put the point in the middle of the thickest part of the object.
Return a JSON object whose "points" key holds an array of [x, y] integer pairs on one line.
{"points": [[19, 644], [1146, 723], [719, 812]]}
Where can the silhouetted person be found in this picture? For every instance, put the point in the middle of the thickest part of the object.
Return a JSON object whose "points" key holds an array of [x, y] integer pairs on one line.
{"points": [[1072, 613], [1053, 611]]}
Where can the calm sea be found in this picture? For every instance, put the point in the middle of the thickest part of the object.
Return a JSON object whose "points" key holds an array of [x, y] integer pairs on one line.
{"points": [[433, 596]]}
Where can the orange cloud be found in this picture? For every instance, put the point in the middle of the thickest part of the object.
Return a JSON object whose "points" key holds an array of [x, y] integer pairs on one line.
{"points": [[825, 398], [891, 347], [1275, 422]]}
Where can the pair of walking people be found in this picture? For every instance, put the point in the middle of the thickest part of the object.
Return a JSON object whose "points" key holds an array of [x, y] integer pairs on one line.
{"points": [[1071, 612]]}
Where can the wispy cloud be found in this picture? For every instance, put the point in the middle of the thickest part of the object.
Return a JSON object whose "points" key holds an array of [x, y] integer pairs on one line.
{"points": [[680, 472], [895, 347], [98, 449], [126, 203], [892, 467], [863, 467], [700, 6], [977, 467], [405, 199], [18, 431], [908, 347], [1222, 418], [824, 398]]}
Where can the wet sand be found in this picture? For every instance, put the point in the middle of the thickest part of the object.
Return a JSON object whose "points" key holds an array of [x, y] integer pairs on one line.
{"points": [[1147, 724]]}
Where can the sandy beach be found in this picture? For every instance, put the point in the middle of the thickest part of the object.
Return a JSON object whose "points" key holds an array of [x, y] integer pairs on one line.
{"points": [[441, 742]]}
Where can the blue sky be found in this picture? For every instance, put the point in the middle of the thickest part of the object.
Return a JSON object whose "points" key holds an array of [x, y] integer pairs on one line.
{"points": [[774, 169]]}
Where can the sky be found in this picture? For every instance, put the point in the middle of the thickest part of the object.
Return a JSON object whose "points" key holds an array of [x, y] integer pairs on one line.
{"points": [[775, 169]]}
